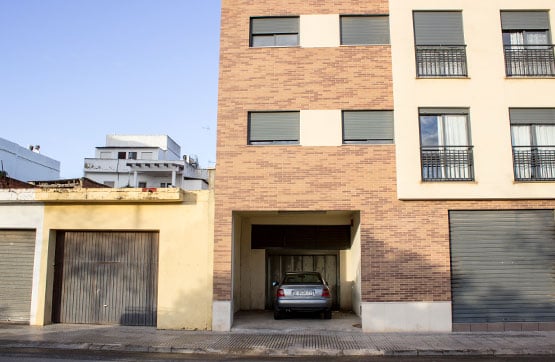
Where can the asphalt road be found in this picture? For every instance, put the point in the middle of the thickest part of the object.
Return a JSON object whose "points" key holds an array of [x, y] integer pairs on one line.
{"points": [[51, 355]]}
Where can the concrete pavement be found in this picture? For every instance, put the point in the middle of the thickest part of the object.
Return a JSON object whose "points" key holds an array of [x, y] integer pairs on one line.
{"points": [[258, 335]]}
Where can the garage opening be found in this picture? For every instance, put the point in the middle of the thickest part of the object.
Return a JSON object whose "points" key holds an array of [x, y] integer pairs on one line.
{"points": [[106, 278], [502, 269], [268, 244], [17, 251]]}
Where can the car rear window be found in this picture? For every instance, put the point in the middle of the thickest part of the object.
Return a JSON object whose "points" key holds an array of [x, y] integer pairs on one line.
{"points": [[302, 279]]}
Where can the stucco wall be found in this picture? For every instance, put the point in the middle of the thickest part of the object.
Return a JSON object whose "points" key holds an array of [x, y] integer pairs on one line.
{"points": [[185, 251], [487, 92]]}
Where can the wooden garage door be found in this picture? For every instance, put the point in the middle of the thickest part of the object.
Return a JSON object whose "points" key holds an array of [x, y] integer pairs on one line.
{"points": [[325, 263], [17, 251], [106, 278], [503, 266]]}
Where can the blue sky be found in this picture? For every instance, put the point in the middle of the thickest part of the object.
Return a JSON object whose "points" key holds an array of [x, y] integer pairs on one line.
{"points": [[72, 71]]}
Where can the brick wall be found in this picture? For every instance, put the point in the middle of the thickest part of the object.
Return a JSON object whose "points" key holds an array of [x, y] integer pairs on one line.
{"points": [[405, 245]]}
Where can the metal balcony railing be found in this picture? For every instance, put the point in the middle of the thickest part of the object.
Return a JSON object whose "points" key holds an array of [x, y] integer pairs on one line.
{"points": [[529, 60], [447, 163], [534, 163], [441, 61]]}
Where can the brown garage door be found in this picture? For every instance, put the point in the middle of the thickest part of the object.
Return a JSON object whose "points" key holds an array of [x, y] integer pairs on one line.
{"points": [[106, 278], [17, 250]]}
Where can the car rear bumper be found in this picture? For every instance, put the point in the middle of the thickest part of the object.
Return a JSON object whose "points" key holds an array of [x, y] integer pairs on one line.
{"points": [[303, 305]]}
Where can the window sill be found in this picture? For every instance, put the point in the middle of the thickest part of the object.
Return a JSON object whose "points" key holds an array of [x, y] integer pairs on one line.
{"points": [[418, 77]]}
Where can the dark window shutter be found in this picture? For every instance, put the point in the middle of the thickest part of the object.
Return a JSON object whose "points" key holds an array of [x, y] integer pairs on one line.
{"points": [[289, 25], [274, 126], [438, 28], [368, 126], [364, 30], [525, 20], [437, 111], [532, 115]]}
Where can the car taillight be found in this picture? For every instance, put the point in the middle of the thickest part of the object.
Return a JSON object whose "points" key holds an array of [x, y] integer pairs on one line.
{"points": [[326, 292], [280, 293]]}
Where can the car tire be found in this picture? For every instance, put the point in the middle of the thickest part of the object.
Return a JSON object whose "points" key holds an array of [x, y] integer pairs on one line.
{"points": [[327, 314], [277, 315]]}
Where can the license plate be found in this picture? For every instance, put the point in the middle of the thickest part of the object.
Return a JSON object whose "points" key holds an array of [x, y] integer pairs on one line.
{"points": [[302, 293]]}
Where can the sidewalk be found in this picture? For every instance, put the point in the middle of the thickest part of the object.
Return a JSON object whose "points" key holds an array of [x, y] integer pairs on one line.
{"points": [[256, 342]]}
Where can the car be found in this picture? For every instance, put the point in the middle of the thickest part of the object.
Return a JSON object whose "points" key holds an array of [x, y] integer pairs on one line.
{"points": [[302, 292]]}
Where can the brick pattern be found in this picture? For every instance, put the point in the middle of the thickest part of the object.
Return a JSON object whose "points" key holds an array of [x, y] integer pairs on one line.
{"points": [[404, 244]]}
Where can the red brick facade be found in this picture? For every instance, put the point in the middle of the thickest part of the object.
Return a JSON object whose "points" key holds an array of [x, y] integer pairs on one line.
{"points": [[404, 244]]}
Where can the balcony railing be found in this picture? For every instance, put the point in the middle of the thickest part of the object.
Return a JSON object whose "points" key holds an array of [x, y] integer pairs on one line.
{"points": [[441, 61], [529, 60], [534, 163], [447, 163]]}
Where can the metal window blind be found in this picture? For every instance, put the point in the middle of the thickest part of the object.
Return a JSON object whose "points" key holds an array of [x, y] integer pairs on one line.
{"points": [[274, 126], [438, 28], [364, 30], [532, 115], [524, 20], [368, 126]]}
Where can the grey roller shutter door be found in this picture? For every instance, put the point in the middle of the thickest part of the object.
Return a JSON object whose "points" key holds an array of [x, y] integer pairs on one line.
{"points": [[274, 126], [364, 30], [503, 265], [532, 115], [368, 126], [438, 28], [17, 251], [525, 20], [260, 26], [106, 278]]}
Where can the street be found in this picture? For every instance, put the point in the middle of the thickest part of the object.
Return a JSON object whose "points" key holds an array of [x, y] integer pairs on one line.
{"points": [[51, 355]]}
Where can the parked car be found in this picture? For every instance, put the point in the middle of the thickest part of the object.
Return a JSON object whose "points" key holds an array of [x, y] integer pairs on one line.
{"points": [[302, 292]]}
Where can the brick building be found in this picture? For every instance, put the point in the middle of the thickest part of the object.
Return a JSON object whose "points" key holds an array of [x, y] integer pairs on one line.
{"points": [[385, 145]]}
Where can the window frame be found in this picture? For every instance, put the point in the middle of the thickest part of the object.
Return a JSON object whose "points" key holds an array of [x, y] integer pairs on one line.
{"points": [[267, 142], [275, 35], [367, 141], [368, 16]]}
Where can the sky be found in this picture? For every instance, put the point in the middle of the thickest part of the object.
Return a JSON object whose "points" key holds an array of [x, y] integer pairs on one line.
{"points": [[73, 71]]}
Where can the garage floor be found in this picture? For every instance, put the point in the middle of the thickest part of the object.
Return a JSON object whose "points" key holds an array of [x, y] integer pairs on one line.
{"points": [[263, 321]]}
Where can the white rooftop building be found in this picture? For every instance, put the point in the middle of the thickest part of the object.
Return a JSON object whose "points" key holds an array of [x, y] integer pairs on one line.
{"points": [[144, 161], [27, 164]]}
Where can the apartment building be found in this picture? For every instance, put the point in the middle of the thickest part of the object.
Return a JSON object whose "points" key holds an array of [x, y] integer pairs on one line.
{"points": [[405, 149], [145, 161]]}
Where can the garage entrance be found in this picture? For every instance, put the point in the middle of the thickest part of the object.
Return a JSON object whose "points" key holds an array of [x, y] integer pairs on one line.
{"points": [[17, 252], [502, 266], [278, 263], [106, 278]]}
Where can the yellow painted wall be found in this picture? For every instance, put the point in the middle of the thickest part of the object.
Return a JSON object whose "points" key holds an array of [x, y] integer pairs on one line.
{"points": [[185, 251], [487, 92]]}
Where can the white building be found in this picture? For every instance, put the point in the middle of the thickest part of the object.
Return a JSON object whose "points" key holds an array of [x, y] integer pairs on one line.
{"points": [[27, 164], [146, 161]]}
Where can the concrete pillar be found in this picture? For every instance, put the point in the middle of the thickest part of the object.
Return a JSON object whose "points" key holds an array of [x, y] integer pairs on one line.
{"points": [[173, 178], [135, 182]]}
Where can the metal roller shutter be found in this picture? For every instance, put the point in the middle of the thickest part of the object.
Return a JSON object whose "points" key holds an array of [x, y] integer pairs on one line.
{"points": [[17, 250], [106, 278], [503, 266]]}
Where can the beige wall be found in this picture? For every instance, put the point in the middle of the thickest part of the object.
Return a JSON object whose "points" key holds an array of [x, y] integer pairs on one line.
{"points": [[185, 251], [319, 31], [320, 128], [487, 93]]}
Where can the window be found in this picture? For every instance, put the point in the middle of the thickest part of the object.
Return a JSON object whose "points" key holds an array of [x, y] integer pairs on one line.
{"points": [[363, 30], [367, 127], [122, 155], [147, 155], [142, 185], [275, 32], [439, 42], [533, 140], [274, 128], [446, 154], [105, 155], [132, 155], [109, 183], [527, 43]]}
